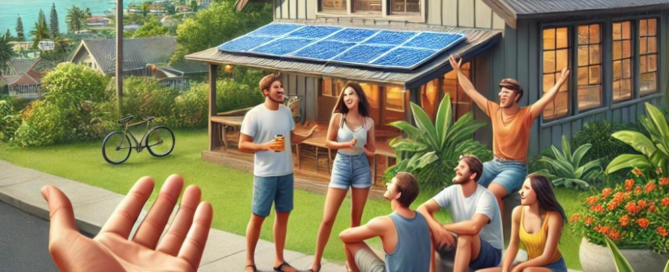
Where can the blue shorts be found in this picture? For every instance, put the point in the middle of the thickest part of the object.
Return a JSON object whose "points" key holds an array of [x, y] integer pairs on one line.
{"points": [[351, 171], [557, 266], [277, 189], [509, 174], [489, 256]]}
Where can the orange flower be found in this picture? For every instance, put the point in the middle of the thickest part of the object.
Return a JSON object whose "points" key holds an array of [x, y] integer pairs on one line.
{"points": [[662, 231], [624, 220], [597, 208], [650, 186], [643, 223], [618, 197], [591, 200], [652, 207], [637, 172], [612, 205], [664, 181], [602, 229], [575, 217], [629, 183], [642, 204], [614, 235], [631, 207], [665, 201], [637, 190], [588, 221], [606, 192], [627, 195]]}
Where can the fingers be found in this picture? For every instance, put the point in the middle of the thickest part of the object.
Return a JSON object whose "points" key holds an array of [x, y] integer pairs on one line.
{"points": [[60, 212], [172, 241], [194, 244], [153, 225], [125, 215]]}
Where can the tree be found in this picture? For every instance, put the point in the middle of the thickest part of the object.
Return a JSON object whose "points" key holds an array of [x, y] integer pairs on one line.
{"points": [[76, 19], [19, 30], [9, 34], [87, 13], [151, 28], [171, 9], [55, 31], [217, 24], [193, 5], [41, 30], [6, 51]]}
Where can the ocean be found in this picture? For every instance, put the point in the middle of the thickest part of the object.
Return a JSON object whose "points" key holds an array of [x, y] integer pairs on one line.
{"points": [[29, 10]]}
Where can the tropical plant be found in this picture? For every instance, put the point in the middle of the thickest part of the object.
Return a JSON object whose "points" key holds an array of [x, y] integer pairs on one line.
{"points": [[41, 30], [569, 169], [634, 214], [654, 151], [6, 51], [431, 151], [622, 265], [76, 19]]}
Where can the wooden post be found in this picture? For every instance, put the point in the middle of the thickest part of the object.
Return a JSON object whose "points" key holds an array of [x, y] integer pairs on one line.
{"points": [[213, 141], [119, 55]]}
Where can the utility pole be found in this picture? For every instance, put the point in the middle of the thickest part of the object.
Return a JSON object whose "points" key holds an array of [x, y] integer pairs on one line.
{"points": [[119, 54]]}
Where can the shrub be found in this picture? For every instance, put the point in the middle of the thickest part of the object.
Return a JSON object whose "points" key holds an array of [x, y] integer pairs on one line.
{"points": [[604, 146], [9, 121], [43, 124], [191, 108], [633, 214], [570, 169], [232, 95], [143, 97]]}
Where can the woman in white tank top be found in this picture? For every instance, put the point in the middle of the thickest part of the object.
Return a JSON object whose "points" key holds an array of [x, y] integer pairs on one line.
{"points": [[351, 133]]}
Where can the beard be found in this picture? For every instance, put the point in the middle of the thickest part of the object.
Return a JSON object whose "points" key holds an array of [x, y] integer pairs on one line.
{"points": [[274, 100]]}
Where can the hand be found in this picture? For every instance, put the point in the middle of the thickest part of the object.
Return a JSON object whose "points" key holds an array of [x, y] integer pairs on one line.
{"points": [[563, 76], [443, 238], [455, 64], [179, 250], [274, 146], [351, 144]]}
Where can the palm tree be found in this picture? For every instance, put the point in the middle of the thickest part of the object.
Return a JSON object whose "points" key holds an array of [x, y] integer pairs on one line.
{"points": [[6, 52], [41, 30], [76, 19]]}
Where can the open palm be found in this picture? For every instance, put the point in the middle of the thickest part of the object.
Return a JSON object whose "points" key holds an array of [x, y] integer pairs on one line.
{"points": [[179, 250]]}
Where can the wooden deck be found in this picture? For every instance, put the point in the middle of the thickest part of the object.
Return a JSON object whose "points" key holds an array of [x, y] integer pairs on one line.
{"points": [[306, 178]]}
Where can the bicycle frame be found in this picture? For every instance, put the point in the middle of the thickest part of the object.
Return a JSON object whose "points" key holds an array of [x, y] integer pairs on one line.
{"points": [[139, 146]]}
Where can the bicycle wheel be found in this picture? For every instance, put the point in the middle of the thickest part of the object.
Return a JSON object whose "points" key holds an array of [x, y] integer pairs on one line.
{"points": [[116, 148], [160, 141]]}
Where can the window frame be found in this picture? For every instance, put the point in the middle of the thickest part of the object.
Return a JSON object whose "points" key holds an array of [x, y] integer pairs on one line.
{"points": [[386, 12], [658, 52], [570, 58]]}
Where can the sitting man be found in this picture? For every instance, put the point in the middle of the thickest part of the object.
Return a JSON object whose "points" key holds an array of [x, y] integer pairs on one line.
{"points": [[404, 233], [476, 231]]}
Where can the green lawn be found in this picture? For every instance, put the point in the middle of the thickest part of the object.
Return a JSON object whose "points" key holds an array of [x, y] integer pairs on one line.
{"points": [[228, 190]]}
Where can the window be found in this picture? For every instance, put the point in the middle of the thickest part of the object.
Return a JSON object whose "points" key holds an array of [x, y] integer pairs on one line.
{"points": [[372, 93], [556, 50], [647, 56], [333, 5], [332, 87], [589, 83], [405, 6], [623, 60], [367, 6], [429, 98], [460, 102]]}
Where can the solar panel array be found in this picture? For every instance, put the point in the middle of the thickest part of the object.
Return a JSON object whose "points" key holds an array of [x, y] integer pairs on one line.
{"points": [[352, 46]]}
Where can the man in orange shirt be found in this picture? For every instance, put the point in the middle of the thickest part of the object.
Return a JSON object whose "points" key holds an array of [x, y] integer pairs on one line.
{"points": [[511, 131]]}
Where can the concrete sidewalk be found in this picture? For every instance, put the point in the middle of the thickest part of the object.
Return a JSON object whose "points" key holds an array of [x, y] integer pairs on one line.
{"points": [[20, 187]]}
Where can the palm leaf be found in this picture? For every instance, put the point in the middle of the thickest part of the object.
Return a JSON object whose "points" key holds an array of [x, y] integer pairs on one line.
{"points": [[411, 131], [408, 145], [566, 149], [580, 153], [622, 265], [636, 140], [425, 125], [658, 120], [444, 119], [627, 161], [556, 152]]}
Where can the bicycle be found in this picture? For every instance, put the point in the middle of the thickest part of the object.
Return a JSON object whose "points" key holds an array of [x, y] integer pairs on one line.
{"points": [[116, 147]]}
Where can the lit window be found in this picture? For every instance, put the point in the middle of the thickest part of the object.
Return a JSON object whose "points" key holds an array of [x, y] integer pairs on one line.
{"points": [[333, 5], [556, 56], [429, 98], [647, 56], [367, 6], [405, 6], [589, 67], [394, 98], [623, 60]]}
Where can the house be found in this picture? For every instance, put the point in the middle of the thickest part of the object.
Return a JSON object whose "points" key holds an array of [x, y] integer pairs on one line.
{"points": [[178, 75], [23, 77], [97, 21]]}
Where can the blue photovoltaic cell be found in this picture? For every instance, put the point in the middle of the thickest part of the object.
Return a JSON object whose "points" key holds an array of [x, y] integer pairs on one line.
{"points": [[245, 43], [323, 50], [404, 57], [284, 46], [362, 53], [352, 35], [274, 30], [433, 40], [314, 32], [390, 37]]}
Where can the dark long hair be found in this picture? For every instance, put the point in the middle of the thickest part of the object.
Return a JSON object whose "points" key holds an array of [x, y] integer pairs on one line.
{"points": [[363, 105], [543, 187]]}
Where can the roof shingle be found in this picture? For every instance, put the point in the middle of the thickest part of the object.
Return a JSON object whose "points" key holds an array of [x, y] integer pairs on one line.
{"points": [[137, 53]]}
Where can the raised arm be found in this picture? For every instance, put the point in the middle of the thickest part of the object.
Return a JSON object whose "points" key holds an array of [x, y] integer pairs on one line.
{"points": [[538, 107], [440, 236], [512, 250], [554, 232], [331, 140], [468, 87]]}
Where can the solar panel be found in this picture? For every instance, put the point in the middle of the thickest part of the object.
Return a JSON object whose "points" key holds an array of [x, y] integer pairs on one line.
{"points": [[323, 50], [351, 46]]}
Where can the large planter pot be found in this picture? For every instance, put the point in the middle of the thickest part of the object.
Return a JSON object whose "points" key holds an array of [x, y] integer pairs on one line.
{"points": [[595, 258]]}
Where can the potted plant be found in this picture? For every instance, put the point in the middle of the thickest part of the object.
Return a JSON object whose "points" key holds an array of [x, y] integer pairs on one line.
{"points": [[635, 215]]}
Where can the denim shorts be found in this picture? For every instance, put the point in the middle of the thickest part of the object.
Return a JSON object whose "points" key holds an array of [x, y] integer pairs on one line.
{"points": [[277, 189], [557, 266], [489, 256], [351, 171], [509, 174]]}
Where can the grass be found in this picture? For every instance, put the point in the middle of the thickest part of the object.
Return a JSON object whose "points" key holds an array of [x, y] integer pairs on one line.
{"points": [[228, 190]]}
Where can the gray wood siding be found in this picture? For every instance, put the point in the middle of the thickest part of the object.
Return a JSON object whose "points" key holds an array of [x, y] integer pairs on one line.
{"points": [[459, 13], [307, 88]]}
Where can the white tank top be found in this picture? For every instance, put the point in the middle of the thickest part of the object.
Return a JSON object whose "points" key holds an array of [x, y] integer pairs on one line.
{"points": [[346, 134]]}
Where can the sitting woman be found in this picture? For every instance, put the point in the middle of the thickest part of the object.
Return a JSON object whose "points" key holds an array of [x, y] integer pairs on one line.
{"points": [[537, 223]]}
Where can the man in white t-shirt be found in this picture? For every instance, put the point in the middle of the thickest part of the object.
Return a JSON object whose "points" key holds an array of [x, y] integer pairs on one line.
{"points": [[267, 131], [476, 231]]}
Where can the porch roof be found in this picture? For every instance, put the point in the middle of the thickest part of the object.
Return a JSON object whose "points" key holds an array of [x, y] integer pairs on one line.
{"points": [[476, 42]]}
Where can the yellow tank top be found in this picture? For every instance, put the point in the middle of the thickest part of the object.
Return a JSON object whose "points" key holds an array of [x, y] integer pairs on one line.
{"points": [[536, 242]]}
